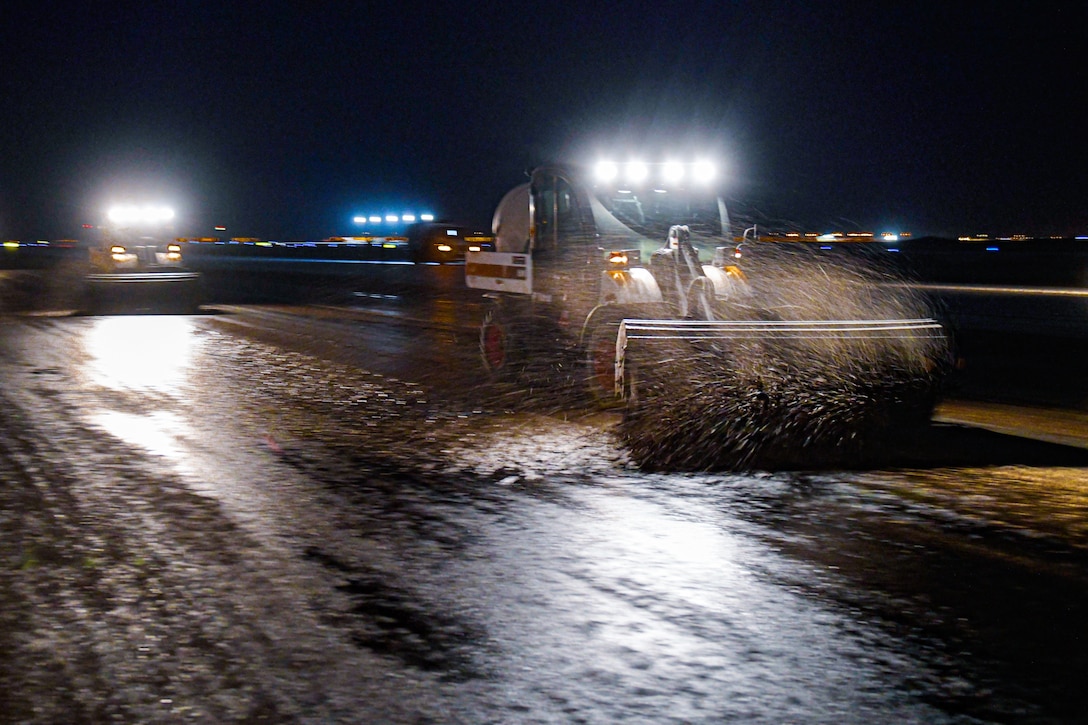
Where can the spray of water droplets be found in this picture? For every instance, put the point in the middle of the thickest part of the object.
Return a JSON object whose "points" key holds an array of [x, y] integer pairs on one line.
{"points": [[788, 403]]}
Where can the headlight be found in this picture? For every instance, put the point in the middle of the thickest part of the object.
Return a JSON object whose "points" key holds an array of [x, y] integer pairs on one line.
{"points": [[619, 259], [704, 172], [444, 248], [118, 253], [173, 252], [673, 172], [637, 171], [139, 214], [606, 171]]}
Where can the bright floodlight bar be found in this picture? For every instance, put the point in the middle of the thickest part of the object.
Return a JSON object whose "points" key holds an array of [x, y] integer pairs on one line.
{"points": [[670, 172], [129, 214], [392, 218]]}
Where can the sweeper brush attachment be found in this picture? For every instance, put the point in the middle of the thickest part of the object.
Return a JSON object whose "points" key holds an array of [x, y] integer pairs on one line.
{"points": [[826, 360], [771, 402]]}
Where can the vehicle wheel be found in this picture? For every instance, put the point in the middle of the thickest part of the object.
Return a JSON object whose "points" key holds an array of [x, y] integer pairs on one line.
{"points": [[601, 364], [497, 345]]}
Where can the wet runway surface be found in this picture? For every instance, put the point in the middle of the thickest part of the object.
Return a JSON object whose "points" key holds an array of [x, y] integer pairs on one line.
{"points": [[315, 515]]}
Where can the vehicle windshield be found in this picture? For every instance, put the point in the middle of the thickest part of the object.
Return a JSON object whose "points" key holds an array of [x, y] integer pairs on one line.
{"points": [[651, 212]]}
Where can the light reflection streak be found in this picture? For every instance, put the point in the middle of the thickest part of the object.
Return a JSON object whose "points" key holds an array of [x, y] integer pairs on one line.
{"points": [[1000, 290], [140, 352], [693, 559], [156, 432]]}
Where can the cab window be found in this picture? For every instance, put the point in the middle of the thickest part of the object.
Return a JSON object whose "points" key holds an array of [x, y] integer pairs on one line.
{"points": [[556, 213]]}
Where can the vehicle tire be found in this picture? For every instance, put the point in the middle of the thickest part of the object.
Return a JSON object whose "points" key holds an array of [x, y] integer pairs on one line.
{"points": [[498, 346], [601, 366]]}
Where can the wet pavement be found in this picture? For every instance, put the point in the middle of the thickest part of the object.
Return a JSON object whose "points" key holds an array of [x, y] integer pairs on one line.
{"points": [[267, 513]]}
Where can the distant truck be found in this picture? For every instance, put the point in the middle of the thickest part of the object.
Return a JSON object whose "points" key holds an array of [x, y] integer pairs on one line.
{"points": [[135, 266], [445, 243]]}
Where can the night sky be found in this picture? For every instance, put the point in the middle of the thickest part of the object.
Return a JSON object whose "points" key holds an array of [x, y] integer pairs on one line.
{"points": [[283, 120]]}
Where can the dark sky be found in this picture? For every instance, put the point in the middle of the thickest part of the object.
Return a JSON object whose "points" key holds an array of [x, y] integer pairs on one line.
{"points": [[285, 119]]}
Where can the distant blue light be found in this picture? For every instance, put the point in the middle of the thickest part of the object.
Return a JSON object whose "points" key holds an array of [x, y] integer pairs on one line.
{"points": [[993, 249], [826, 246], [893, 249], [407, 217]]}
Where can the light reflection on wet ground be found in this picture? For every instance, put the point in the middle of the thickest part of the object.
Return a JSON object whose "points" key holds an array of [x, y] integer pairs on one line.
{"points": [[150, 352], [602, 591], [519, 568], [156, 432], [1048, 502], [621, 607]]}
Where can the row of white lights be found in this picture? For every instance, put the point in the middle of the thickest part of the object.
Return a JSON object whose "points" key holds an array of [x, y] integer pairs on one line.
{"points": [[671, 172], [392, 218], [140, 214]]}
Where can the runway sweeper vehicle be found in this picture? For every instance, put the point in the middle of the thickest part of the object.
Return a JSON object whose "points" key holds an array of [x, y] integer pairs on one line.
{"points": [[134, 264], [722, 350]]}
